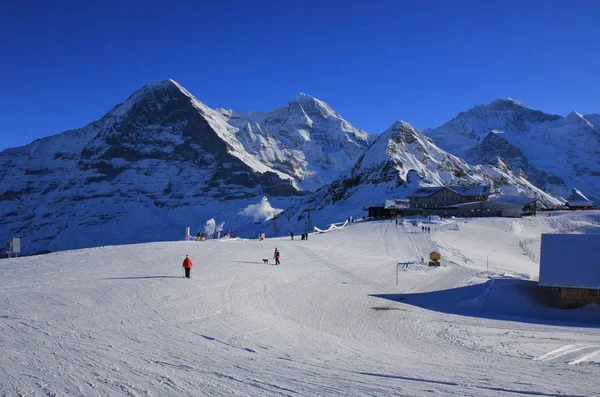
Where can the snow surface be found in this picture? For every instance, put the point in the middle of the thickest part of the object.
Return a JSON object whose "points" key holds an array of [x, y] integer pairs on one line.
{"points": [[329, 321]]}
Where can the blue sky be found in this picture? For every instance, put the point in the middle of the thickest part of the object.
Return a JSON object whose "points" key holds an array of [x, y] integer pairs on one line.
{"points": [[66, 63]]}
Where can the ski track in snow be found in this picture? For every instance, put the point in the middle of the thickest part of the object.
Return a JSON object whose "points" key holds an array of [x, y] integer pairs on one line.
{"points": [[122, 320]]}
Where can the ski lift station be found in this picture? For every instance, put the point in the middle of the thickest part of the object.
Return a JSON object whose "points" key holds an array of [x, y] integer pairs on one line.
{"points": [[571, 263]]}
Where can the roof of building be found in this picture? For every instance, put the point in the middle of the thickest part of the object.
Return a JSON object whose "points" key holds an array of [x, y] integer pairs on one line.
{"points": [[487, 205], [517, 200], [578, 199], [475, 190], [425, 191], [580, 203], [570, 260]]}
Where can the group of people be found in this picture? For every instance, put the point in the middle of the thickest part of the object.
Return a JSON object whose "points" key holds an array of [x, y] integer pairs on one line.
{"points": [[204, 236], [304, 236], [426, 229]]}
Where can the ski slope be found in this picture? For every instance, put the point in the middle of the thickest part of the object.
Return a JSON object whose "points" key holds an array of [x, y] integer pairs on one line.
{"points": [[330, 321]]}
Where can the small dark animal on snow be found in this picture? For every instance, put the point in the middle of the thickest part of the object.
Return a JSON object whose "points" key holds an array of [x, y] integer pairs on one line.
{"points": [[265, 261]]}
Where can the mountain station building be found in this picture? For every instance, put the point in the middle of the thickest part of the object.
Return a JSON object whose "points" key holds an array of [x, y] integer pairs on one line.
{"points": [[580, 205], [468, 201]]}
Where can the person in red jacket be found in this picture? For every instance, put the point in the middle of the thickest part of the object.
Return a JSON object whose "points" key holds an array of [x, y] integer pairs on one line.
{"points": [[187, 265]]}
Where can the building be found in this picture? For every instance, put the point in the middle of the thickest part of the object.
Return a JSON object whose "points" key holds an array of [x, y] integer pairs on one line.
{"points": [[400, 208], [393, 209], [526, 205], [489, 209], [570, 262], [580, 205], [472, 201], [578, 201], [447, 196]]}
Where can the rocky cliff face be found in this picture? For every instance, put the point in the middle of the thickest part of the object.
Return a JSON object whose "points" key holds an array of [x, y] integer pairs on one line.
{"points": [[494, 146]]}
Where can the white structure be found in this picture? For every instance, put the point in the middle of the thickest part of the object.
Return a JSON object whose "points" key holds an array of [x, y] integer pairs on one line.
{"points": [[570, 260], [571, 263], [16, 245], [13, 246]]}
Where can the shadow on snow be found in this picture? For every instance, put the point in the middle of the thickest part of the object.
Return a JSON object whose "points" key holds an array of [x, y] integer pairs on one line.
{"points": [[138, 277], [505, 299], [260, 262]]}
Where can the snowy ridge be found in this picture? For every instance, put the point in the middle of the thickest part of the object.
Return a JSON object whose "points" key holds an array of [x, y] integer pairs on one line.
{"points": [[218, 123]]}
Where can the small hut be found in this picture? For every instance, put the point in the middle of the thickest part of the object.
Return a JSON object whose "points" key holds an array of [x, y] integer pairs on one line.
{"points": [[434, 258]]}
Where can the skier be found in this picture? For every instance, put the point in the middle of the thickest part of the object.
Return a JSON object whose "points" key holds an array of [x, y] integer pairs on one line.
{"points": [[276, 256], [292, 233], [187, 265]]}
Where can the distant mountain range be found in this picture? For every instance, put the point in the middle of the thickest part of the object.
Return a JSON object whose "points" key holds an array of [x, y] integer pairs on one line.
{"points": [[556, 153], [163, 160]]}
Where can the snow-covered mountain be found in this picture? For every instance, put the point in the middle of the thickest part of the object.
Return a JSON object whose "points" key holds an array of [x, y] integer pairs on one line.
{"points": [[398, 162], [162, 160], [305, 138], [558, 153]]}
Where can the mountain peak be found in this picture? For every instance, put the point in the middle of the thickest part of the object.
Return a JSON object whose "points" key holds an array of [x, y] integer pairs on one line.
{"points": [[312, 106], [304, 96], [168, 85], [157, 93], [574, 116], [506, 104], [307, 100], [401, 124], [579, 119], [163, 83]]}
